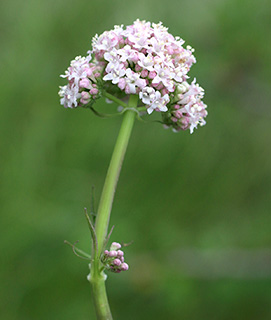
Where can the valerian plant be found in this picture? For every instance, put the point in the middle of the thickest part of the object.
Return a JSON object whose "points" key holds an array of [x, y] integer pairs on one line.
{"points": [[144, 69]]}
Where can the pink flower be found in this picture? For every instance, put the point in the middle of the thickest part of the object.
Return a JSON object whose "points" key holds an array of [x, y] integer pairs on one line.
{"points": [[133, 80], [144, 59], [69, 96], [117, 71]]}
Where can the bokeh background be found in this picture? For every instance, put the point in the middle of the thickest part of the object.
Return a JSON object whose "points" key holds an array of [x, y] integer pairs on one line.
{"points": [[196, 206]]}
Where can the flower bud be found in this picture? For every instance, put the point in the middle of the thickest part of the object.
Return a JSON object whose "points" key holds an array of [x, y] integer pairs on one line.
{"points": [[152, 74], [144, 73], [84, 83], [120, 253], [121, 84], [117, 262], [112, 253], [94, 91], [137, 68], [181, 88], [124, 266], [115, 246]]}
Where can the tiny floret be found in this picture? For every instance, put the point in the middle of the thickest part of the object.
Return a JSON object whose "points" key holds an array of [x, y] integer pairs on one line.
{"points": [[141, 59]]}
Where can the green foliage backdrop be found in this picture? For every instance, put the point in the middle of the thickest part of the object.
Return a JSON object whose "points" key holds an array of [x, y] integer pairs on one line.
{"points": [[197, 206]]}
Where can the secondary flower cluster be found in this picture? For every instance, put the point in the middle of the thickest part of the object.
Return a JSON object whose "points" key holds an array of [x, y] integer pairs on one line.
{"points": [[143, 59], [113, 259], [82, 76]]}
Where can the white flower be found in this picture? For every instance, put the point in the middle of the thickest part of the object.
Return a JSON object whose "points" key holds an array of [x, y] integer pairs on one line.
{"points": [[147, 95], [159, 103], [78, 69], [117, 71], [164, 75], [106, 41], [132, 80], [69, 96], [146, 62]]}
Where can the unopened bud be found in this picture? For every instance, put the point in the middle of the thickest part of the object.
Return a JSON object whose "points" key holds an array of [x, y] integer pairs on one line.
{"points": [[115, 246], [120, 253], [124, 266], [84, 83], [112, 253], [117, 262]]}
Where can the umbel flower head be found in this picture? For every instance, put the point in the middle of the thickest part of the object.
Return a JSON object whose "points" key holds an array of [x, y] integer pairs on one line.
{"points": [[143, 59]]}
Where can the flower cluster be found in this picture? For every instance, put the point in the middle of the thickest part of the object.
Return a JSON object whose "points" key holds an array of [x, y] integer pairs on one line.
{"points": [[113, 259], [82, 86], [143, 59], [188, 110]]}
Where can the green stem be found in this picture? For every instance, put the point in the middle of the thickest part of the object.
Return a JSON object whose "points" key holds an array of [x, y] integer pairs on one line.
{"points": [[112, 98], [100, 299], [102, 220]]}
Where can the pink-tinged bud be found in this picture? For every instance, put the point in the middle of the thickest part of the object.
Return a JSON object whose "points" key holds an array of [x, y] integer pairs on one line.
{"points": [[176, 106], [160, 86], [106, 252], [134, 57], [127, 90], [137, 67], [121, 84], [84, 83], [124, 266], [121, 40], [178, 114], [115, 246], [144, 51], [174, 119], [89, 72], [85, 95], [94, 91], [144, 73], [185, 123], [112, 253], [99, 55], [120, 253], [84, 101], [152, 74], [164, 91], [170, 50], [97, 75], [117, 262]]}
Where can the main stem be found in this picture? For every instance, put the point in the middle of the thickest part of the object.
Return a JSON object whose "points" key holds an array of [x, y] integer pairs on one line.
{"points": [[104, 210]]}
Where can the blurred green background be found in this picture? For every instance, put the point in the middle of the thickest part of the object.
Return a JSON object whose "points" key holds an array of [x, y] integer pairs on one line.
{"points": [[197, 206]]}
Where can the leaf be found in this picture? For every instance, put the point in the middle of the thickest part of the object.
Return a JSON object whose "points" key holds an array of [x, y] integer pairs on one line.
{"points": [[92, 231], [76, 251]]}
